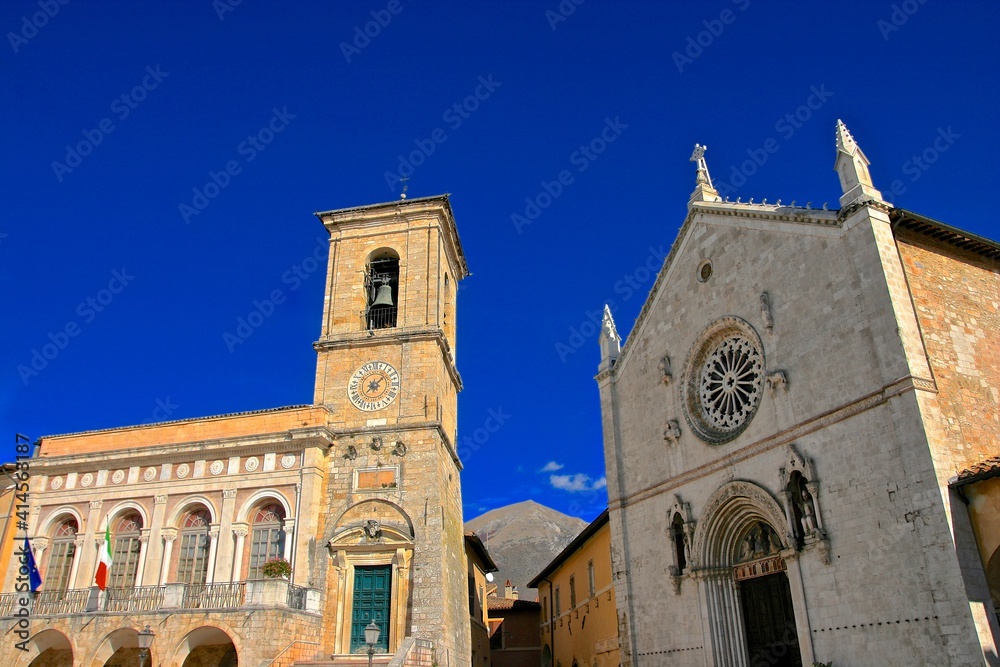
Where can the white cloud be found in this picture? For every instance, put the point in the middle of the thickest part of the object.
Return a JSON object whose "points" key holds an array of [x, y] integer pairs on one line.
{"points": [[577, 483], [552, 466]]}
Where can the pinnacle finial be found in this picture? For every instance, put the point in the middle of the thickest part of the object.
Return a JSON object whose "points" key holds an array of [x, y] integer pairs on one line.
{"points": [[852, 169], [611, 342], [704, 190]]}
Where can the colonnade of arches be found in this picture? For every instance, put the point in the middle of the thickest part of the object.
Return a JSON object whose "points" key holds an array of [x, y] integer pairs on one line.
{"points": [[188, 547], [206, 645]]}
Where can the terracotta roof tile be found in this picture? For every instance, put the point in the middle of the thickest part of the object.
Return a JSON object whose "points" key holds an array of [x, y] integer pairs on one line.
{"points": [[987, 468], [503, 604]]}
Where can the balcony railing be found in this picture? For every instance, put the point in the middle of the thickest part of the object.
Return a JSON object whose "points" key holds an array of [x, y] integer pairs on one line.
{"points": [[138, 598], [153, 598], [214, 596]]}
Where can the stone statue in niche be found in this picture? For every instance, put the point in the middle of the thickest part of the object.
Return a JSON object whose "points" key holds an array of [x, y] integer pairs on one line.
{"points": [[373, 529], [664, 367], [809, 528], [765, 311], [777, 380], [352, 453]]}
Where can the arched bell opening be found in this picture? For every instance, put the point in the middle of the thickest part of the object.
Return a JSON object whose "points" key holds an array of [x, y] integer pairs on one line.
{"points": [[382, 289]]}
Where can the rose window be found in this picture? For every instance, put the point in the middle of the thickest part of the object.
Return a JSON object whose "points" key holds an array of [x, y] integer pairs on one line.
{"points": [[731, 380], [723, 380]]}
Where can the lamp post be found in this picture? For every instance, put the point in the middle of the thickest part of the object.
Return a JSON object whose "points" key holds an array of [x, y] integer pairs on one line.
{"points": [[371, 638], [145, 641]]}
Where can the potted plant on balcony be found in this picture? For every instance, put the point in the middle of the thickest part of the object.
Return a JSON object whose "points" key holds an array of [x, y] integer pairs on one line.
{"points": [[277, 568]]}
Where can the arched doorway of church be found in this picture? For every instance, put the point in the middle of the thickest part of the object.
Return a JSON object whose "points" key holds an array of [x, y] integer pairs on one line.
{"points": [[207, 647], [766, 599], [54, 650]]}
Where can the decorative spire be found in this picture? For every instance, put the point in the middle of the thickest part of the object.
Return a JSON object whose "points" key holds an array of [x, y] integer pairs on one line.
{"points": [[852, 168], [611, 342], [704, 190]]}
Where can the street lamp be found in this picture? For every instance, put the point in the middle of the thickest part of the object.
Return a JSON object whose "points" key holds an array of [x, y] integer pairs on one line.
{"points": [[145, 641], [371, 638]]}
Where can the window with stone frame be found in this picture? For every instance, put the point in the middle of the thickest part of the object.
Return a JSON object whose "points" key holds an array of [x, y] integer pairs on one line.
{"points": [[63, 551], [125, 551], [591, 588], [572, 593], [192, 560], [557, 608], [268, 539], [677, 538]]}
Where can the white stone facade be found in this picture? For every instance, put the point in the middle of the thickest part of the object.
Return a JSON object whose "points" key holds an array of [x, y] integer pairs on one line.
{"points": [[821, 464]]}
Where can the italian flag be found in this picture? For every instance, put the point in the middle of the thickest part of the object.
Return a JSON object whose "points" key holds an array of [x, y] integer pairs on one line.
{"points": [[104, 565]]}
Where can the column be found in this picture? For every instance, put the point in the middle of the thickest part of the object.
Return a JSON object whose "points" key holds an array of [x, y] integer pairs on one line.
{"points": [[169, 535], [143, 541], [240, 530], [213, 550], [155, 552], [286, 550], [78, 542], [225, 548]]}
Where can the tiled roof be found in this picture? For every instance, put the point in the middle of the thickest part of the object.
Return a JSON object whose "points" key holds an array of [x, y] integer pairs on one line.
{"points": [[503, 604], [984, 469]]}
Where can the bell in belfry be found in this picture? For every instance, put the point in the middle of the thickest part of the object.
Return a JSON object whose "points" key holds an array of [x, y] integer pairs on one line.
{"points": [[384, 296]]}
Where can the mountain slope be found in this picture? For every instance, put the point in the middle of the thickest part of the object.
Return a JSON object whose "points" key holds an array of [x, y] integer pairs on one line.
{"points": [[522, 539]]}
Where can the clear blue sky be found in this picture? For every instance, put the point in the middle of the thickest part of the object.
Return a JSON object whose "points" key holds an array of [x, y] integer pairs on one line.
{"points": [[311, 114]]}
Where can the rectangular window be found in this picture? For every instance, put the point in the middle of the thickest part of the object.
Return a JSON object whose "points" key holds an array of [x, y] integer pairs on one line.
{"points": [[590, 578], [125, 562], [572, 593], [192, 563], [545, 609], [266, 544], [558, 607], [60, 566], [496, 639]]}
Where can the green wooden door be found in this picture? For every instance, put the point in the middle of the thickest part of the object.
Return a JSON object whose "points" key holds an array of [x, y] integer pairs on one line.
{"points": [[372, 587]]}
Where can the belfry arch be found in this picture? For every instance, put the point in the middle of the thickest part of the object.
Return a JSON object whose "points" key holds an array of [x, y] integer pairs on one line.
{"points": [[742, 537]]}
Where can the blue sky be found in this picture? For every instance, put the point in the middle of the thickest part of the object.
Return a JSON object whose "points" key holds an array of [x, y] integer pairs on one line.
{"points": [[162, 162]]}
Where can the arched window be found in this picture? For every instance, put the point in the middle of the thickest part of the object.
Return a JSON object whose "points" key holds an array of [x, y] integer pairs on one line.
{"points": [[61, 558], [268, 539], [382, 290], [125, 552], [192, 562]]}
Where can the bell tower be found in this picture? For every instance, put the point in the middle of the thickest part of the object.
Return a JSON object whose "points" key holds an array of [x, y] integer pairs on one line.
{"points": [[386, 372]]}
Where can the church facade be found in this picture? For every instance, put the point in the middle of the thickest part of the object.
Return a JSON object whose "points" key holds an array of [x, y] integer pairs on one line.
{"points": [[781, 427], [358, 493]]}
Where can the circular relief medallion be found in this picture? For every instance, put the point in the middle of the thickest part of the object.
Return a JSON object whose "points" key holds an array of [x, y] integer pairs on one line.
{"points": [[251, 464], [183, 470], [149, 475], [216, 467], [724, 380], [56, 483], [87, 479], [373, 386], [118, 476], [288, 460]]}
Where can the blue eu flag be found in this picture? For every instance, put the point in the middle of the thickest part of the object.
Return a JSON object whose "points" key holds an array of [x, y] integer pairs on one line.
{"points": [[34, 578]]}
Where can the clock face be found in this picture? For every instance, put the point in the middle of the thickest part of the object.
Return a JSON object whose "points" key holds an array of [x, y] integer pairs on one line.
{"points": [[373, 386]]}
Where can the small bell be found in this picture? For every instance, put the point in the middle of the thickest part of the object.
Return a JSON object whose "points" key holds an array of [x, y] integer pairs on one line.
{"points": [[384, 296]]}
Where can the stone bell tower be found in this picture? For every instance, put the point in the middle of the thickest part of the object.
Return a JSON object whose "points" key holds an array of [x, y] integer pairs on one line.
{"points": [[392, 523]]}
